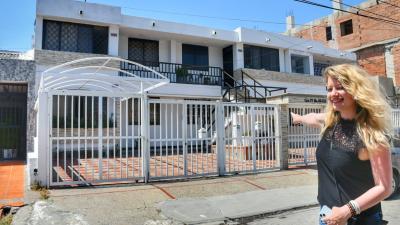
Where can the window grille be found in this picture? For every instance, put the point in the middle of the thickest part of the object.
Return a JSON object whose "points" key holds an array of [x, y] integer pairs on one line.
{"points": [[73, 37]]}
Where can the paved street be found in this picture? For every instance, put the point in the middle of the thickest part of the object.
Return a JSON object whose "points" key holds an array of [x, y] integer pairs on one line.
{"points": [[309, 216]]}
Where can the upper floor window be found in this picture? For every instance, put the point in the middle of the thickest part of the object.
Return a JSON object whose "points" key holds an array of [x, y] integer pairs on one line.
{"points": [[143, 51], [261, 58], [319, 68], [194, 55], [346, 27], [328, 31], [73, 37], [300, 64]]}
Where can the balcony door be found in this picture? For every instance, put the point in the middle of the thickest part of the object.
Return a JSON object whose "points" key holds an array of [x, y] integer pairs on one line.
{"points": [[228, 63]]}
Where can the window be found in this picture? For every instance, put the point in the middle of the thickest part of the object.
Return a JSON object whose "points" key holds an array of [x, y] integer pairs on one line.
{"points": [[195, 55], [319, 68], [73, 37], [143, 51], [328, 31], [346, 27], [300, 64], [261, 58]]}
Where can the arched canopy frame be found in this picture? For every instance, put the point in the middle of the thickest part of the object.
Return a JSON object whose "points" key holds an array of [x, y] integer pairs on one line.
{"points": [[100, 74]]}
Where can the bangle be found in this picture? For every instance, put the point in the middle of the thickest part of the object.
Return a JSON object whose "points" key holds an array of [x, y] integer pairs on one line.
{"points": [[352, 210], [356, 207]]}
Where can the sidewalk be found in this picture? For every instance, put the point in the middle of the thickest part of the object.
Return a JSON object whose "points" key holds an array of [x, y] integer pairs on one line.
{"points": [[197, 201]]}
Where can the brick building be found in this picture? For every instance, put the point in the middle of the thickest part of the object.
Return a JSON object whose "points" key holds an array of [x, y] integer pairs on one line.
{"points": [[376, 43]]}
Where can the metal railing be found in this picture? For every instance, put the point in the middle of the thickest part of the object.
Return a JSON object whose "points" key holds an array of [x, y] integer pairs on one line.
{"points": [[177, 73], [254, 91]]}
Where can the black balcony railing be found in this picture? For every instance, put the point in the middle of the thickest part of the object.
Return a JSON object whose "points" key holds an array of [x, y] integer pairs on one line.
{"points": [[177, 73]]}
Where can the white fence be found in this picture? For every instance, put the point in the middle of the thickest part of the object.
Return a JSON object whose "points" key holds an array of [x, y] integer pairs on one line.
{"points": [[303, 140], [130, 138]]}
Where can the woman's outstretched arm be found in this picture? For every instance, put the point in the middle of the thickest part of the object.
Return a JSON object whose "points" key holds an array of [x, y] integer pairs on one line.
{"points": [[311, 119]]}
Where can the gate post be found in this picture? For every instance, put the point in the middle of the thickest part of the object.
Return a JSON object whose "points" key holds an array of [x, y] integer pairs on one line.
{"points": [[220, 138], [253, 138], [145, 135], [281, 123], [43, 134], [100, 127]]}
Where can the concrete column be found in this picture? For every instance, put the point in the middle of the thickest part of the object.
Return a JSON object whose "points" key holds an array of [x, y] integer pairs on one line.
{"points": [[113, 37], [389, 63], [282, 124], [288, 61], [172, 51], [311, 63], [43, 139], [238, 56], [282, 60], [38, 33], [290, 24], [220, 139]]}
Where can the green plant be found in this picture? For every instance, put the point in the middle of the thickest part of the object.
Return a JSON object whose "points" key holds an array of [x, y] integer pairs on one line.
{"points": [[6, 220], [181, 71], [44, 193]]}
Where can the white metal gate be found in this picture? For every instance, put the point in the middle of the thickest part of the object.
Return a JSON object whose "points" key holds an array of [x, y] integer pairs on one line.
{"points": [[94, 138], [252, 139], [182, 138], [303, 140]]}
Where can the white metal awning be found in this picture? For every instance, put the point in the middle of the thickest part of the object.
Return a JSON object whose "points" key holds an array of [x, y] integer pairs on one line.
{"points": [[100, 74]]}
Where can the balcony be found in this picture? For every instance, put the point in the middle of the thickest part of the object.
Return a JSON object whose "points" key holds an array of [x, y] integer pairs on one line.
{"points": [[177, 73]]}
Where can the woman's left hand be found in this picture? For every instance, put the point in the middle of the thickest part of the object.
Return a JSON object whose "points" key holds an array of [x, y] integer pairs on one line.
{"points": [[339, 216]]}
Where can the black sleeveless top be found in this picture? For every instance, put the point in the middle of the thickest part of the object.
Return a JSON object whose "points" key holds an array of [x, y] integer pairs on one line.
{"points": [[353, 176]]}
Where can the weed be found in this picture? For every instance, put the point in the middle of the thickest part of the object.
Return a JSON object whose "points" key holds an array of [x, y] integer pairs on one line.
{"points": [[44, 193], [6, 220]]}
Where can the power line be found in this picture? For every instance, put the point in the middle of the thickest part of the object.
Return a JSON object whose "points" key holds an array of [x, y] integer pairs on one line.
{"points": [[360, 9], [232, 19], [384, 2], [342, 10]]}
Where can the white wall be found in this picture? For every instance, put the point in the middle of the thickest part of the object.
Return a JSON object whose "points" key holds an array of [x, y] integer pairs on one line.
{"points": [[164, 51], [113, 40], [38, 32], [215, 56], [96, 13]]}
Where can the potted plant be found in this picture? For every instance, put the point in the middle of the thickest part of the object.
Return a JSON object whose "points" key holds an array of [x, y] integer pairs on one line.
{"points": [[181, 74]]}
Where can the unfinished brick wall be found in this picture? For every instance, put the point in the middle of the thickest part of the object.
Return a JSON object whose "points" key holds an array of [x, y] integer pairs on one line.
{"points": [[372, 59], [365, 30]]}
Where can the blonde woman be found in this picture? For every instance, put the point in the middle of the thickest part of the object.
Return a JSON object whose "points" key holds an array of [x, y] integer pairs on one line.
{"points": [[353, 156]]}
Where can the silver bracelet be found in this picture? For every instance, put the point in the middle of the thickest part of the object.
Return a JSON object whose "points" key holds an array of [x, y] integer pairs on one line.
{"points": [[355, 206]]}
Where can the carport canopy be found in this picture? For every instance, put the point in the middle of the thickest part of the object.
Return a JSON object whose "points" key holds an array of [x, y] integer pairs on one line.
{"points": [[101, 74]]}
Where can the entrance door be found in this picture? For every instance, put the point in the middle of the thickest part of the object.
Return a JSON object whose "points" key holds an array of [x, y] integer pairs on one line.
{"points": [[13, 104], [228, 64]]}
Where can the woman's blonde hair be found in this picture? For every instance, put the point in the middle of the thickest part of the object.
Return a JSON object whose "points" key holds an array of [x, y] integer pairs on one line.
{"points": [[373, 116]]}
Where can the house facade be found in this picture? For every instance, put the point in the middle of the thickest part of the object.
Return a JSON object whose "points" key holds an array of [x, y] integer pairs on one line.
{"points": [[84, 48]]}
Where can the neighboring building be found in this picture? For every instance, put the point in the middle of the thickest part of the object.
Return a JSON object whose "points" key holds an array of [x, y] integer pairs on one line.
{"points": [[376, 43], [201, 63]]}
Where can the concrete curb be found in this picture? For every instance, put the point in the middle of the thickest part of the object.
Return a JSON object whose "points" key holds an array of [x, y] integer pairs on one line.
{"points": [[238, 207]]}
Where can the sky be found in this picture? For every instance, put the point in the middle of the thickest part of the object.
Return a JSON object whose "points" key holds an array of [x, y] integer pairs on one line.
{"points": [[17, 16]]}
